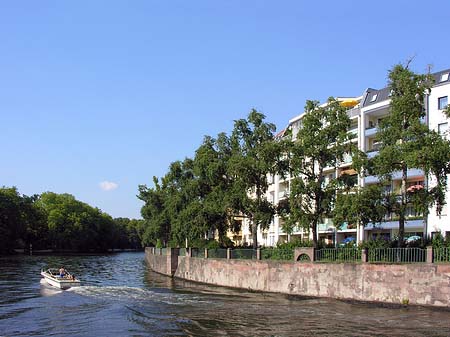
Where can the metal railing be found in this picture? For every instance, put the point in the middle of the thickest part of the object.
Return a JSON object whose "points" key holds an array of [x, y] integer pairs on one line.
{"points": [[397, 255], [247, 254], [282, 254], [218, 253], [198, 252], [338, 255], [441, 254]]}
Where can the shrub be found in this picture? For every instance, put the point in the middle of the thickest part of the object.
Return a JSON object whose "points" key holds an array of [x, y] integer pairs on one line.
{"points": [[378, 243], [212, 244]]}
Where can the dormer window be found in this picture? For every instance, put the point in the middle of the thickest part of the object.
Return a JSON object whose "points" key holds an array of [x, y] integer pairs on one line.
{"points": [[374, 98], [444, 77]]}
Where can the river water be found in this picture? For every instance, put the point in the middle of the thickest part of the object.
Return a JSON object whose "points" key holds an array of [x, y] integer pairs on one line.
{"points": [[121, 297]]}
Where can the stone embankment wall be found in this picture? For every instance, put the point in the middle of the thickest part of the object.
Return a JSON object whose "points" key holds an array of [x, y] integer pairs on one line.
{"points": [[421, 284]]}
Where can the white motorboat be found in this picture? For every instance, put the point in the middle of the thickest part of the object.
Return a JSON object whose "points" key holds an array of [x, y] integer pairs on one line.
{"points": [[52, 276]]}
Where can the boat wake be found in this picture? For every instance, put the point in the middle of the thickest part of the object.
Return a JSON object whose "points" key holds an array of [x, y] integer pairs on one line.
{"points": [[124, 293]]}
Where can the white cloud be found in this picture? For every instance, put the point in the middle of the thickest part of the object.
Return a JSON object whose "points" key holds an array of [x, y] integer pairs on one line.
{"points": [[108, 185]]}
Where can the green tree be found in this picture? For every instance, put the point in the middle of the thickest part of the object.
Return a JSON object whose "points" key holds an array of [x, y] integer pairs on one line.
{"points": [[76, 225], [254, 155], [364, 206], [12, 226], [407, 142], [35, 222], [214, 184], [322, 142], [157, 224]]}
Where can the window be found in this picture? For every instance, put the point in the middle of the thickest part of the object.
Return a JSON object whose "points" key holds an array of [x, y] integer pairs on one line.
{"points": [[444, 77], [442, 102], [442, 128], [374, 98]]}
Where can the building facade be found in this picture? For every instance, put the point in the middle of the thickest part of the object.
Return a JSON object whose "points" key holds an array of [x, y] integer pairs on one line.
{"points": [[366, 112]]}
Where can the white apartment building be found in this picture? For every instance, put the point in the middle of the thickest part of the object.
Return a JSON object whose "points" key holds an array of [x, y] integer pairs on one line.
{"points": [[366, 112], [436, 103]]}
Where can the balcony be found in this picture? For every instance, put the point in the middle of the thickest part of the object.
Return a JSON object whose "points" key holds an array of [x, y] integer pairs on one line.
{"points": [[326, 227], [372, 153], [347, 227], [416, 223], [353, 129], [412, 173], [370, 131], [283, 195]]}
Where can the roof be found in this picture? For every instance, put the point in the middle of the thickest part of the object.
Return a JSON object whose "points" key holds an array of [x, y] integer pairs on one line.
{"points": [[383, 94], [280, 134]]}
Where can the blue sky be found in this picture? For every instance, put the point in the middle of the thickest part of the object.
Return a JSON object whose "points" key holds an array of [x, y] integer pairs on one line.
{"points": [[114, 91]]}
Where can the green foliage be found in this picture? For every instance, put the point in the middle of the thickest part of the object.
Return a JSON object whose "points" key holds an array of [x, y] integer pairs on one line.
{"points": [[203, 195], [379, 243], [366, 205], [60, 221], [408, 143], [285, 251], [321, 142], [277, 253], [440, 242], [75, 225], [12, 226], [254, 155]]}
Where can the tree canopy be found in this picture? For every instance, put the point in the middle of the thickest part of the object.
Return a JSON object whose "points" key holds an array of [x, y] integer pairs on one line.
{"points": [[61, 222]]}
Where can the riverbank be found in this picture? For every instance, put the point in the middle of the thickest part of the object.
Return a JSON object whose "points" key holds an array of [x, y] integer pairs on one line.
{"points": [[415, 284]]}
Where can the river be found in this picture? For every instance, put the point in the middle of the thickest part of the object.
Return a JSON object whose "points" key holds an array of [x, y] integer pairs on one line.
{"points": [[121, 297]]}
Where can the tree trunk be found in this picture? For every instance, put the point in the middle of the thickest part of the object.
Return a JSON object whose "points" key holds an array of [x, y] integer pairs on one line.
{"points": [[255, 235], [401, 220], [314, 231]]}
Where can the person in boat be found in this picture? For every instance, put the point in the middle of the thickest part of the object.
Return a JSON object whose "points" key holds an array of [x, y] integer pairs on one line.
{"points": [[62, 271]]}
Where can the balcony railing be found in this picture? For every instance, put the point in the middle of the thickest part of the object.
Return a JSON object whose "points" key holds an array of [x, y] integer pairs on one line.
{"points": [[283, 195]]}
